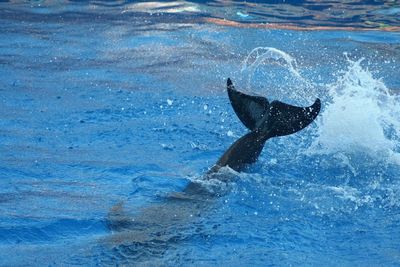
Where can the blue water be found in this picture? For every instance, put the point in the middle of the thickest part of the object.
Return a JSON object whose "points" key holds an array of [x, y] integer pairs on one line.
{"points": [[102, 111]]}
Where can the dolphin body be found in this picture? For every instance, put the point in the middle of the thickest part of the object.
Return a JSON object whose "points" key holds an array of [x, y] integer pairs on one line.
{"points": [[154, 229]]}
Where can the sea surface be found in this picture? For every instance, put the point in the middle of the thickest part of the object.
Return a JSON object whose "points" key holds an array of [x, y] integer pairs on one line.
{"points": [[109, 109]]}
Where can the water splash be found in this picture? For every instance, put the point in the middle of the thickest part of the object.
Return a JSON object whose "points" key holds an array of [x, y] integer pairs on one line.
{"points": [[274, 57], [360, 116], [259, 55]]}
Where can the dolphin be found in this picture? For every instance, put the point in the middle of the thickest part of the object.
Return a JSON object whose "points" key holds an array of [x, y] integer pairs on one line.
{"points": [[264, 120], [152, 230]]}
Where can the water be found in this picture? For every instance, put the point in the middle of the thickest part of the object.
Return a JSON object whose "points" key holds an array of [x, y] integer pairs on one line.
{"points": [[108, 109]]}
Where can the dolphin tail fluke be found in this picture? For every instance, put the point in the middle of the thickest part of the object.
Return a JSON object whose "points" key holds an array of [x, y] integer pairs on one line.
{"points": [[287, 119], [275, 118]]}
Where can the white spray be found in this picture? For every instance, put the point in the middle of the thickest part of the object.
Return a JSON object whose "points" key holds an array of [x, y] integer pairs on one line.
{"points": [[359, 115]]}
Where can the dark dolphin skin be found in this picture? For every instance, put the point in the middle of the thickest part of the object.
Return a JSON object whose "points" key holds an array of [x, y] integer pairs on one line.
{"points": [[264, 120], [149, 232]]}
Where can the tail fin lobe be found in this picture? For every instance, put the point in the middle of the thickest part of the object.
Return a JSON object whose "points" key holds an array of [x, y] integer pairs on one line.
{"points": [[286, 119], [249, 109]]}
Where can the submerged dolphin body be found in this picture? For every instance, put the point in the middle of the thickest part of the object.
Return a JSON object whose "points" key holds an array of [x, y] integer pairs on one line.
{"points": [[153, 230]]}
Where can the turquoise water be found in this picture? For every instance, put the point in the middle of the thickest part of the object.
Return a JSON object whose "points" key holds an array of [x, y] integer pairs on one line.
{"points": [[107, 110]]}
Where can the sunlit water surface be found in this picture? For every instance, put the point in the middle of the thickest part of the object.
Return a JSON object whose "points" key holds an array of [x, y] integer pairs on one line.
{"points": [[106, 111]]}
